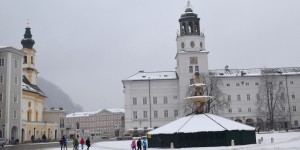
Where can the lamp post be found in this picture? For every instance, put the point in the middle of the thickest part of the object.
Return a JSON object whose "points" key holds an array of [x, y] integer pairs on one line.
{"points": [[3, 126]]}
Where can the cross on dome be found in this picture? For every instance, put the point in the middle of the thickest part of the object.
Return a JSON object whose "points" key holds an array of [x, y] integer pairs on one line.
{"points": [[189, 7]]}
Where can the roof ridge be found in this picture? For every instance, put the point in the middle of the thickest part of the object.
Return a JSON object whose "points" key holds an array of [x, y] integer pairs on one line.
{"points": [[214, 121], [185, 123]]}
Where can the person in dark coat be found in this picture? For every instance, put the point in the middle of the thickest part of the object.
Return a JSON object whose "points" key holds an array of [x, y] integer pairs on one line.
{"points": [[61, 142], [88, 143], [139, 144], [65, 142]]}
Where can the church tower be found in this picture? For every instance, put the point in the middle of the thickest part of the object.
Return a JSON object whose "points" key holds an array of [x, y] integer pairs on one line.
{"points": [[191, 53], [29, 69]]}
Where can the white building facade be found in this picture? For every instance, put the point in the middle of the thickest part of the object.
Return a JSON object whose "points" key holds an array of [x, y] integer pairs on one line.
{"points": [[153, 99]]}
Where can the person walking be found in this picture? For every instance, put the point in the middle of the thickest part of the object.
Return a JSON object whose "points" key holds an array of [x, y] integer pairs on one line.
{"points": [[133, 145], [88, 143], [145, 144], [82, 142], [65, 142], [139, 144], [61, 142], [75, 144]]}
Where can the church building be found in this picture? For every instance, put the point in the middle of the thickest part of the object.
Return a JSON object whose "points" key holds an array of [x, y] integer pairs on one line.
{"points": [[22, 114]]}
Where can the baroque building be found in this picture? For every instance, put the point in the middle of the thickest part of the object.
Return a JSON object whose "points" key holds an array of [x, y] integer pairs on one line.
{"points": [[153, 99], [22, 115]]}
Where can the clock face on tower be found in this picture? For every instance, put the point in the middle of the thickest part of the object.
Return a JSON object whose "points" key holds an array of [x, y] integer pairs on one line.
{"points": [[182, 45], [192, 44]]}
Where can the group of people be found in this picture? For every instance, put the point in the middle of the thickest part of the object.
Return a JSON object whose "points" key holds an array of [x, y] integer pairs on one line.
{"points": [[139, 144], [63, 143]]}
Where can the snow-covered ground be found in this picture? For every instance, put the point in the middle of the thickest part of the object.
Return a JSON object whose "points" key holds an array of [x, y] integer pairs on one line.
{"points": [[282, 141]]}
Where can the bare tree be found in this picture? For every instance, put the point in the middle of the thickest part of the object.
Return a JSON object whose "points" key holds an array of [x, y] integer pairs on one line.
{"points": [[216, 103], [271, 98]]}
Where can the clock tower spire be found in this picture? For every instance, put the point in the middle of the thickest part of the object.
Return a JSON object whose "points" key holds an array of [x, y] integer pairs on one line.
{"points": [[191, 54]]}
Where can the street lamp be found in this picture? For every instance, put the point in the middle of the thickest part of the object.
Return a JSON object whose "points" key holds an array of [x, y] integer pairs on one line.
{"points": [[3, 126]]}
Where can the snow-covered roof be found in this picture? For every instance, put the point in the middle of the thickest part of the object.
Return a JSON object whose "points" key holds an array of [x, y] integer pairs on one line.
{"points": [[27, 86], [255, 71], [3, 46], [163, 75], [200, 123], [86, 114]]}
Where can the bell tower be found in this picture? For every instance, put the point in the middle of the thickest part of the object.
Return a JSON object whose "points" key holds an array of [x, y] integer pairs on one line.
{"points": [[191, 54], [29, 69]]}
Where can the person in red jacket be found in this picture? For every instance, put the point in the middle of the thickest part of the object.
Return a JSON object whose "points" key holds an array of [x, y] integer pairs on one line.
{"points": [[82, 142]]}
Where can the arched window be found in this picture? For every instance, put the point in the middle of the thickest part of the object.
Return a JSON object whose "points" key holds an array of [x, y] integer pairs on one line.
{"points": [[197, 28], [25, 60], [32, 62], [191, 30], [29, 113], [183, 29], [36, 116]]}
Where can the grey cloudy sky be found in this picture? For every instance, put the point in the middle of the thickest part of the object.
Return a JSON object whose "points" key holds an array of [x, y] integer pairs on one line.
{"points": [[88, 46]]}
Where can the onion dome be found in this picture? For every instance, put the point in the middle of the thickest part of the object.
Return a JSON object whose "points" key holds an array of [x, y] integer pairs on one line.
{"points": [[27, 41]]}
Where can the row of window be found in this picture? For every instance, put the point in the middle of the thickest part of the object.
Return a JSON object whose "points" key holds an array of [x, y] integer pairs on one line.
{"points": [[96, 118], [25, 60], [155, 114], [104, 123], [15, 97], [2, 62], [154, 100], [256, 83], [258, 97], [250, 110], [191, 69], [15, 79], [14, 114]]}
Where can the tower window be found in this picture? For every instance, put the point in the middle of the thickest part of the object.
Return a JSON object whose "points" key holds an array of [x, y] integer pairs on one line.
{"points": [[230, 110], [183, 29], [249, 109], [0, 114], [32, 62], [196, 68], [25, 60], [191, 69], [191, 30]]}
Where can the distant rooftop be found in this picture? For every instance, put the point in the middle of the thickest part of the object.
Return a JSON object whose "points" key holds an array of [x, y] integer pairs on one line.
{"points": [[163, 75], [86, 114]]}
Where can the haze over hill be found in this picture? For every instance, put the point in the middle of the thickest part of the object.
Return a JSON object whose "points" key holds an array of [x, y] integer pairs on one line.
{"points": [[56, 97]]}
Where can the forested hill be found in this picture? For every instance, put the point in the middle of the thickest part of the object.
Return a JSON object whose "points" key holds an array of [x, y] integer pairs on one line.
{"points": [[56, 97]]}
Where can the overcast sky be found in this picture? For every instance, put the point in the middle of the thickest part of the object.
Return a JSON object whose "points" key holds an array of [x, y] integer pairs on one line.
{"points": [[88, 46]]}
